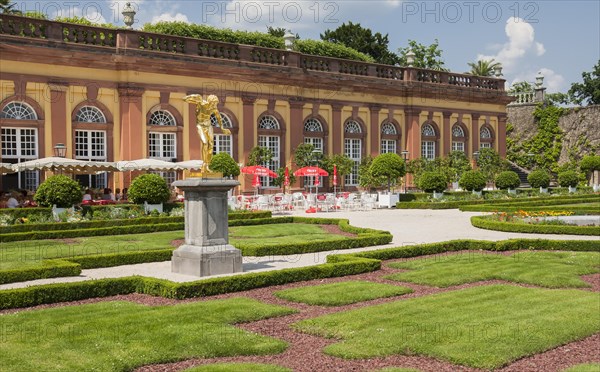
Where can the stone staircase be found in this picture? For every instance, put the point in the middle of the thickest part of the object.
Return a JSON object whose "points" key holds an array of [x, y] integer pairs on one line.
{"points": [[522, 172]]}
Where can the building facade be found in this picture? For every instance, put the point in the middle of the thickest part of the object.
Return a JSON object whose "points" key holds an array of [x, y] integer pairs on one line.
{"points": [[118, 95]]}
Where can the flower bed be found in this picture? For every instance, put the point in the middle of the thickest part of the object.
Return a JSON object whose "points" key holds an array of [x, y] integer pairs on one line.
{"points": [[540, 222]]}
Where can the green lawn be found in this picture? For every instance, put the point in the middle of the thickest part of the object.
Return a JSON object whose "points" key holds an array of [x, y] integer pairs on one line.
{"points": [[546, 269], [238, 367], [587, 367], [118, 336], [482, 327], [28, 254], [278, 234], [343, 293]]}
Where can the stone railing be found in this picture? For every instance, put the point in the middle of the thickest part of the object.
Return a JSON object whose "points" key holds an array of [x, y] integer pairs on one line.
{"points": [[523, 98], [121, 41]]}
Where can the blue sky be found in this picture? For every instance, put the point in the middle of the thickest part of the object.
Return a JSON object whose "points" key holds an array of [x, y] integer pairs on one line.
{"points": [[559, 38]]}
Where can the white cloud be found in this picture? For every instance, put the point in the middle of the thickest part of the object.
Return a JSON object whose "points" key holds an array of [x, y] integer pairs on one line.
{"points": [[553, 81], [169, 17], [521, 41], [393, 3]]}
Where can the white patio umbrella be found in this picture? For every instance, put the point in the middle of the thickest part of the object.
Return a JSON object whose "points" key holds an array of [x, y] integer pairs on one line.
{"points": [[6, 168], [191, 164], [65, 165], [148, 164]]}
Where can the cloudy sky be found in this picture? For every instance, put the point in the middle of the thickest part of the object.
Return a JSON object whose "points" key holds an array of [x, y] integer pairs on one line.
{"points": [[559, 38]]}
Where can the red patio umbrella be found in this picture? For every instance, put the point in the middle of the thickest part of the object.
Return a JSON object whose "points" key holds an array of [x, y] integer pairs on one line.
{"points": [[259, 170], [286, 180], [256, 181], [311, 171], [334, 175]]}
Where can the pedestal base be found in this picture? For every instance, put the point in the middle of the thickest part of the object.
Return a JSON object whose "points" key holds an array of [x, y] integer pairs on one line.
{"points": [[206, 261]]}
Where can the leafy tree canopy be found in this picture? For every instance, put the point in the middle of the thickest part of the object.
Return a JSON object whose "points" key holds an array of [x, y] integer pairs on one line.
{"points": [[589, 91], [389, 166], [429, 57], [354, 36], [260, 156], [303, 156], [224, 163], [521, 87]]}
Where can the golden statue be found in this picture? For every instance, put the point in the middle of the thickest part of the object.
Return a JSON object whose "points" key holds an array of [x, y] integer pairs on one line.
{"points": [[204, 110]]}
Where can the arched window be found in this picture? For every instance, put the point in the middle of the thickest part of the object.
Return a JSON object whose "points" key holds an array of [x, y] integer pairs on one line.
{"points": [[485, 137], [313, 134], [269, 123], [90, 114], [352, 127], [223, 142], [458, 138], [18, 111], [428, 141], [271, 142], [353, 149], [163, 118], [389, 138]]}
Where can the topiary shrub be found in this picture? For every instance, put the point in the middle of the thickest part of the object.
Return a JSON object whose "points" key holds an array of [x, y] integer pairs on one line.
{"points": [[539, 178], [388, 165], [568, 178], [150, 188], [224, 163], [432, 181], [507, 180], [59, 190], [473, 180]]}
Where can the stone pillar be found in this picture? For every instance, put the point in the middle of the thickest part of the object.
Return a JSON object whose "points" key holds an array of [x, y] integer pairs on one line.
{"points": [[413, 137], [337, 135], [195, 146], [296, 125], [474, 133], [447, 130], [501, 136], [58, 116], [206, 250], [132, 122], [374, 130], [248, 125]]}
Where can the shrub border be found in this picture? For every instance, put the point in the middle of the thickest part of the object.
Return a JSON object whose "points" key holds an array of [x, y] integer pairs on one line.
{"points": [[484, 222], [555, 200], [336, 266]]}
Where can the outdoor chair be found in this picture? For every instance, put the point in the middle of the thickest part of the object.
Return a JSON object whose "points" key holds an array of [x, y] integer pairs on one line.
{"points": [[298, 200]]}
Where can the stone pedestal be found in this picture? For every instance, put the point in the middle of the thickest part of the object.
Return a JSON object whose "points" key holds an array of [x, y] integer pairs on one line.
{"points": [[206, 250]]}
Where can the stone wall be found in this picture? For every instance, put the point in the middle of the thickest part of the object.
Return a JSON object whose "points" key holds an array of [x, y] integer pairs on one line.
{"points": [[580, 125]]}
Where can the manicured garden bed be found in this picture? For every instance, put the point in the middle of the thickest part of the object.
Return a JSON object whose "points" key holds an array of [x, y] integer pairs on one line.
{"points": [[521, 202], [478, 327], [111, 336], [533, 225]]}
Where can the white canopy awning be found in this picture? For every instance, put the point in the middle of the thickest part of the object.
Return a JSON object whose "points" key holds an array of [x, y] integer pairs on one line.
{"points": [[6, 168], [191, 164], [148, 164], [65, 165]]}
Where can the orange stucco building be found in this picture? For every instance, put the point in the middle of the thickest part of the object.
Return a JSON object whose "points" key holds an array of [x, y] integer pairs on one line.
{"points": [[117, 95]]}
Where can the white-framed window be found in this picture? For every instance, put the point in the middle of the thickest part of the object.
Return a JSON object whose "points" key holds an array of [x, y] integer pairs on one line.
{"points": [[162, 146], [352, 127], [18, 111], [268, 122], [485, 133], [169, 177], [163, 118], [353, 149], [90, 114], [457, 131], [317, 143], [389, 128], [458, 146], [485, 145], [313, 125], [428, 149], [223, 142], [18, 145], [428, 130], [388, 146], [91, 145], [272, 143]]}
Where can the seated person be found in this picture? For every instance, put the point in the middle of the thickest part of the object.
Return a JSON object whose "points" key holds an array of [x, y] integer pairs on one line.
{"points": [[12, 202], [107, 195], [88, 195]]}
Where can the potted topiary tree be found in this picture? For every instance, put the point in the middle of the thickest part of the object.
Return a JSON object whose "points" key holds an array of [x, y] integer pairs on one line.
{"points": [[508, 180], [434, 182], [224, 163], [391, 167], [473, 181], [569, 179], [539, 178], [590, 166], [59, 192], [151, 190]]}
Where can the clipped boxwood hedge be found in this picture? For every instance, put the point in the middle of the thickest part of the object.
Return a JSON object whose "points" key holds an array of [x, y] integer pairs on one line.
{"points": [[465, 205], [485, 222], [49, 269], [336, 266]]}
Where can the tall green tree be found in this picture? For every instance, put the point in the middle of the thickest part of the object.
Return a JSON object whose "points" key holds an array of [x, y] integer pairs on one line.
{"points": [[303, 155], [489, 163], [426, 56], [354, 36], [389, 166], [366, 179], [343, 163], [589, 91], [260, 156], [484, 67], [459, 164]]}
